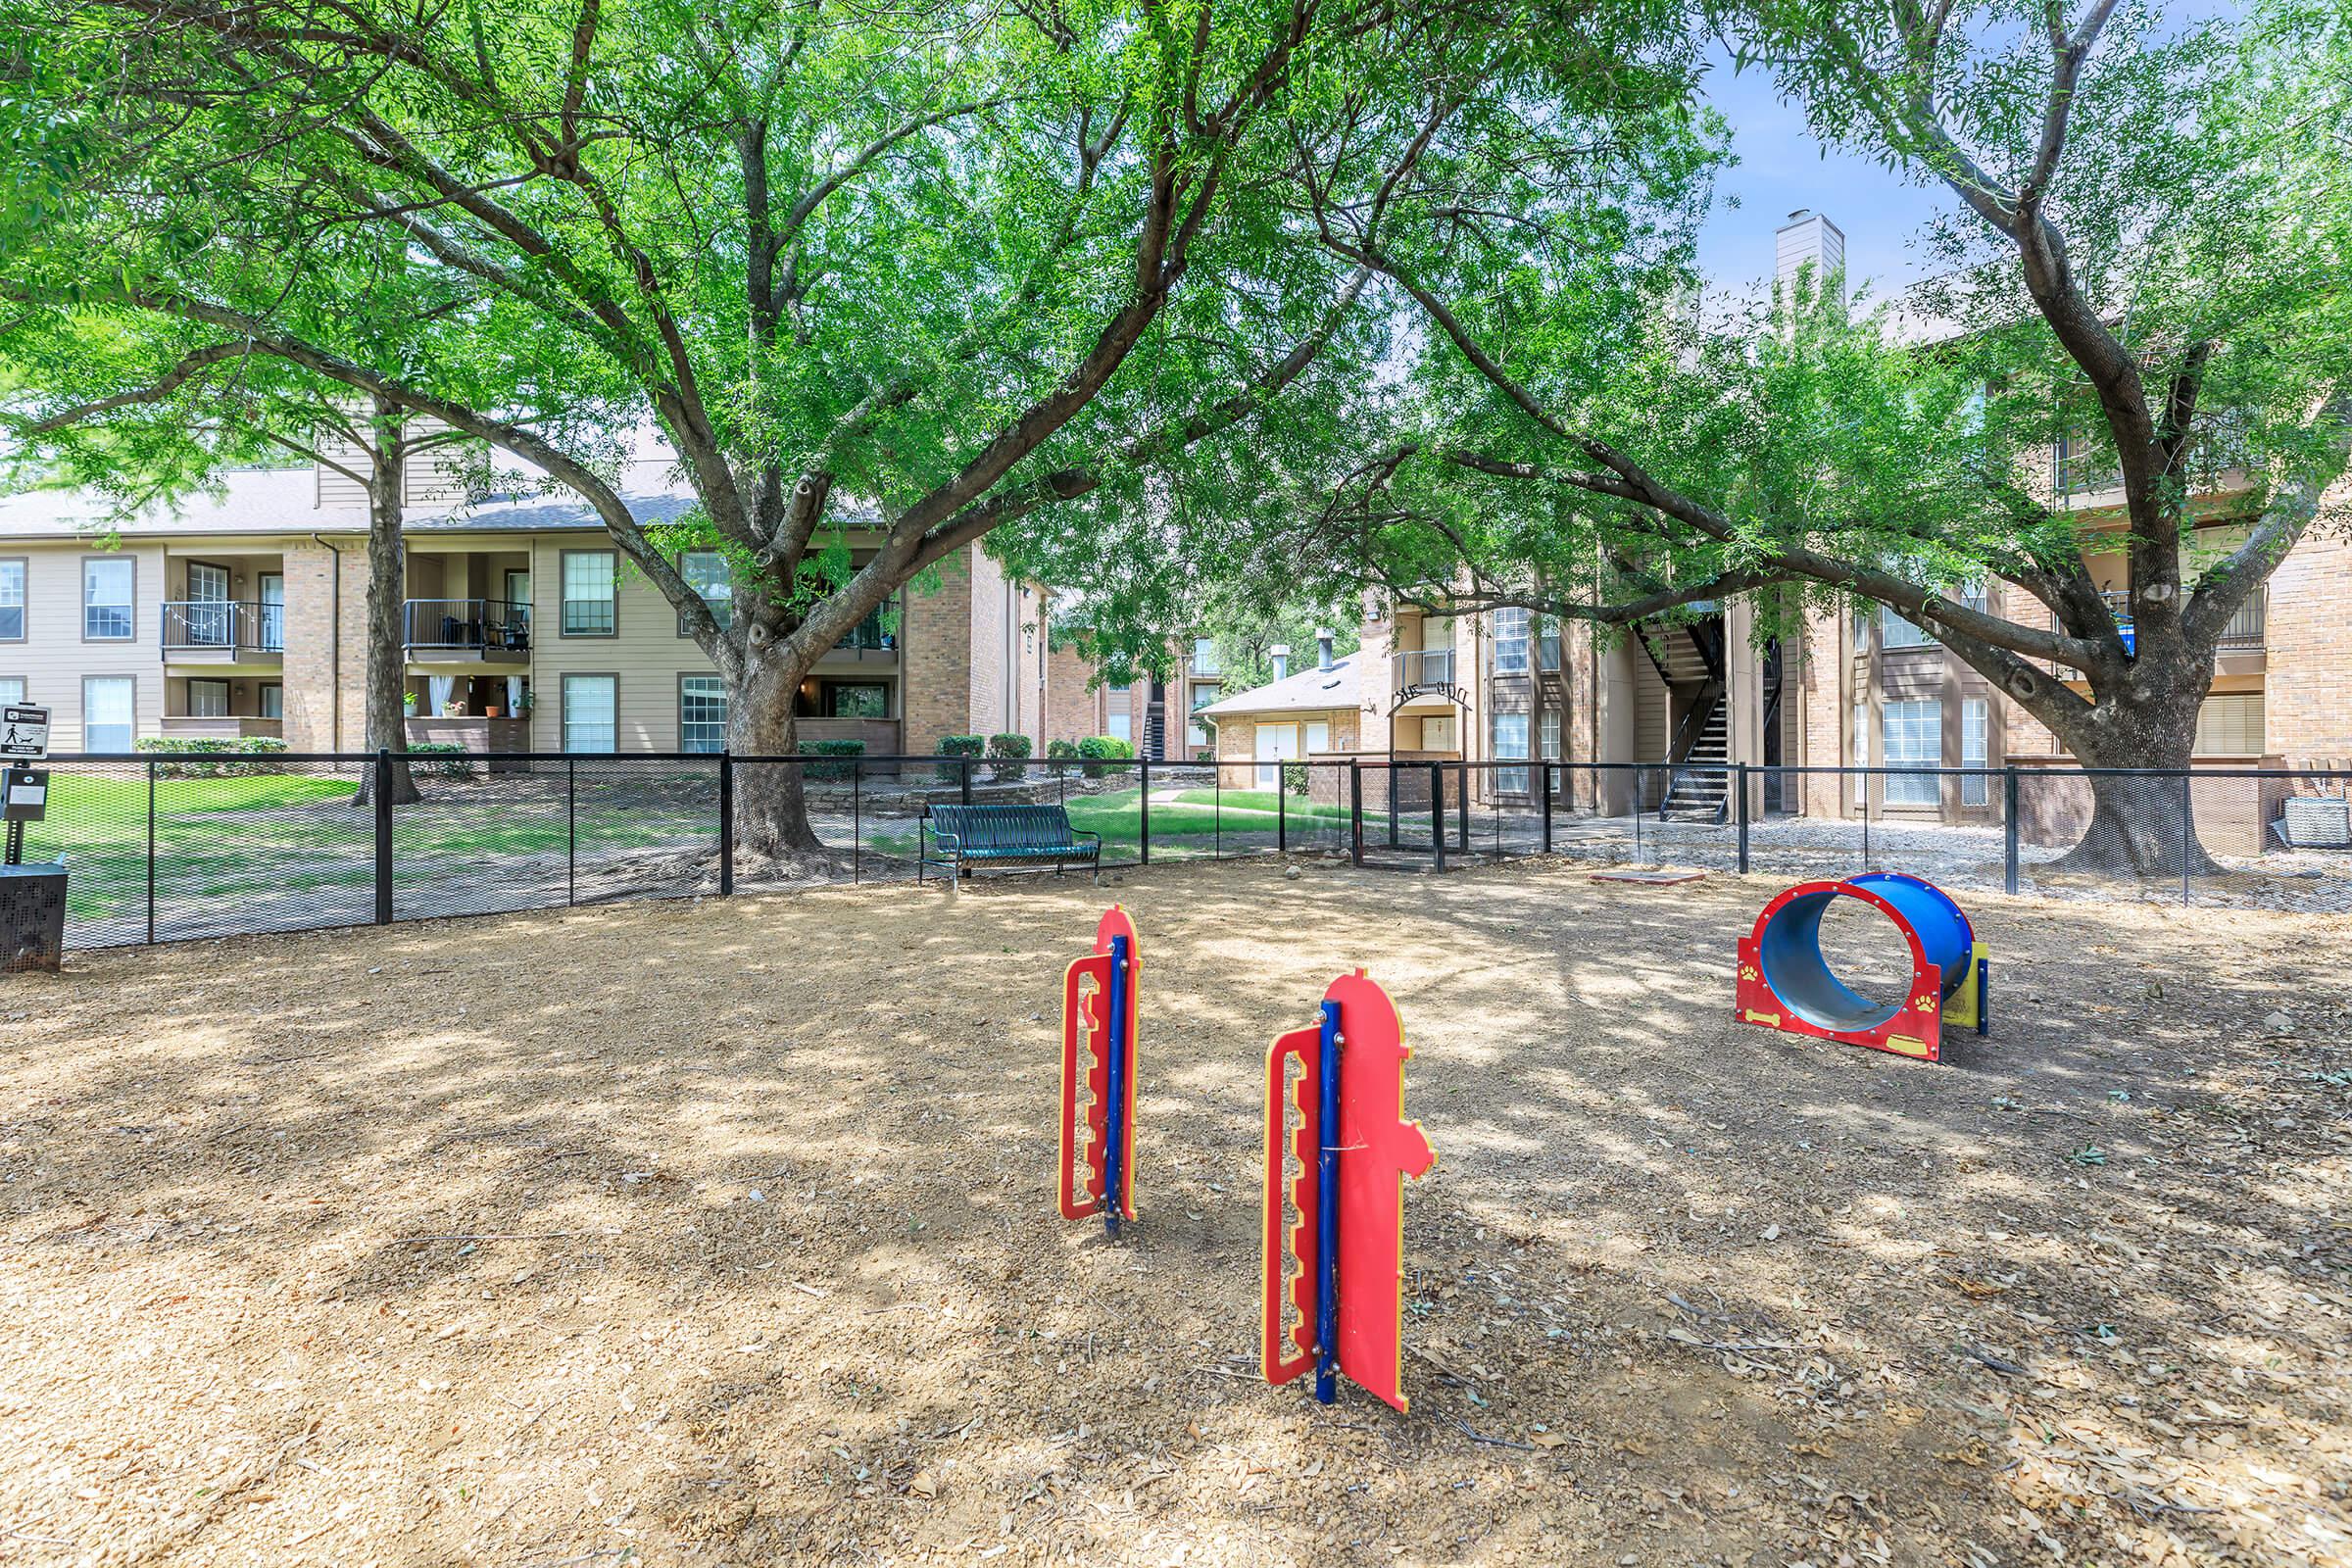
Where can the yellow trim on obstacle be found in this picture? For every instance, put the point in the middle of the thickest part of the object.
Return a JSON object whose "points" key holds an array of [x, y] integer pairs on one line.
{"points": [[1961, 1010]]}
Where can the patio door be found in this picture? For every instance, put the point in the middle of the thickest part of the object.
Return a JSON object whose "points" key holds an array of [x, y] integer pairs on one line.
{"points": [[273, 610], [208, 608], [1276, 744]]}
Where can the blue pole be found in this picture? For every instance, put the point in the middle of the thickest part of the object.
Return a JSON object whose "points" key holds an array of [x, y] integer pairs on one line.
{"points": [[1327, 1211], [1114, 1090]]}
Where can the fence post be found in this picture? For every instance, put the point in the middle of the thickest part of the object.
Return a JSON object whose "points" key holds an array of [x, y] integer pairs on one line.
{"points": [[1739, 779], [1641, 808], [1355, 811], [1463, 807], [383, 836], [726, 819], [572, 831], [149, 853], [965, 781], [1282, 818], [858, 821], [2009, 828], [2187, 833], [1436, 813], [1546, 807]]}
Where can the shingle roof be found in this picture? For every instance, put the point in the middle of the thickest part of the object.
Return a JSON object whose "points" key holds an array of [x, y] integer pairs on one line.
{"points": [[1312, 690]]}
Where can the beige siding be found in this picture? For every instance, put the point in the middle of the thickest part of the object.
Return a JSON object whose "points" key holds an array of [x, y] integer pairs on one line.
{"points": [[53, 658], [645, 652]]}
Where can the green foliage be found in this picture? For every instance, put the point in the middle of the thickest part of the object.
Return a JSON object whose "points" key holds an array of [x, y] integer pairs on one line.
{"points": [[1059, 754], [1294, 778], [958, 746], [211, 746], [1012, 752], [442, 760], [831, 771], [1099, 749]]}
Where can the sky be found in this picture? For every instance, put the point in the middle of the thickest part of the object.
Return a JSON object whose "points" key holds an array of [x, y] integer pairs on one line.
{"points": [[1781, 168]]}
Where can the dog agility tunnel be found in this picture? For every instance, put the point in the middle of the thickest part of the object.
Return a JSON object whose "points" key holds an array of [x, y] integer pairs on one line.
{"points": [[1786, 981]]}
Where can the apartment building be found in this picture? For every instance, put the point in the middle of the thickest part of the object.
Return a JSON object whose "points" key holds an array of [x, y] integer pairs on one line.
{"points": [[243, 612], [1856, 687], [1160, 716]]}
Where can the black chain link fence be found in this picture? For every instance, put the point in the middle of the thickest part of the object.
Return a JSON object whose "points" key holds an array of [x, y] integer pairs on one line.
{"points": [[162, 848]]}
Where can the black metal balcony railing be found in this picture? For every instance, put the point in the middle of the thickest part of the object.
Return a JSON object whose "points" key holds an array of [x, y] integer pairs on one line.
{"points": [[195, 625], [871, 633], [1422, 666], [480, 625], [2243, 634]]}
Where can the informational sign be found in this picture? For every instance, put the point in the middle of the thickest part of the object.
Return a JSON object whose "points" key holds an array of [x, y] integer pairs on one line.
{"points": [[24, 731]]}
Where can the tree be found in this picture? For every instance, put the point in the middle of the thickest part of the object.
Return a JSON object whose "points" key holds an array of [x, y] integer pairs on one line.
{"points": [[2155, 238], [883, 285]]}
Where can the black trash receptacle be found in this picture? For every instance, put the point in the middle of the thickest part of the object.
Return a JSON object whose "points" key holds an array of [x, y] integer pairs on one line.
{"points": [[32, 917]]}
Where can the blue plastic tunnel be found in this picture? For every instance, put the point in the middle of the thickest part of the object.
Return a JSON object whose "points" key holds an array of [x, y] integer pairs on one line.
{"points": [[1789, 950]]}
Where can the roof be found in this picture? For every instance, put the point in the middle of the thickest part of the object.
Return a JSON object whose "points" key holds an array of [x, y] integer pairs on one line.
{"points": [[1312, 691]]}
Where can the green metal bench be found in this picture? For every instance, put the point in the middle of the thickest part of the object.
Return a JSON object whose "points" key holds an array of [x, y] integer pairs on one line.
{"points": [[956, 837]]}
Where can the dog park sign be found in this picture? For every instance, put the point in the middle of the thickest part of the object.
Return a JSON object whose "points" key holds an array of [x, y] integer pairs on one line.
{"points": [[23, 733]]}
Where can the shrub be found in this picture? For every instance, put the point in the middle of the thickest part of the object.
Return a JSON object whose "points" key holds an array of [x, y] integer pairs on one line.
{"points": [[441, 759], [1059, 754], [958, 746], [831, 770], [211, 746], [1012, 756], [1099, 749], [1293, 777]]}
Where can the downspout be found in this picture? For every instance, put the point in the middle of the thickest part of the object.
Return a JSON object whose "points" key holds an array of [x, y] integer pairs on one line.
{"points": [[334, 644]]}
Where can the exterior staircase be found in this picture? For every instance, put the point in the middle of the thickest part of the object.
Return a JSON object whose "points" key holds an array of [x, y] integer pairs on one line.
{"points": [[1699, 785]]}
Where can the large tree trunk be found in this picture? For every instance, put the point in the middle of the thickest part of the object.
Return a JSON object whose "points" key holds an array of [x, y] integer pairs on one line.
{"points": [[387, 669], [2141, 825], [772, 808]]}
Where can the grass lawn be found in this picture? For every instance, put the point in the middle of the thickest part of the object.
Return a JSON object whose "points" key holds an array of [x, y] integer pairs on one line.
{"points": [[1196, 816]]}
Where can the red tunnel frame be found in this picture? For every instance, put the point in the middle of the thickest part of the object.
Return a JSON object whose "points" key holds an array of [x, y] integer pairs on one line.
{"points": [[1916, 1030]]}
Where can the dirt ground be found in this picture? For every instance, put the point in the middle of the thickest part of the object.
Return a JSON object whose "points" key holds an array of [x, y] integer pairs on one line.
{"points": [[723, 1233]]}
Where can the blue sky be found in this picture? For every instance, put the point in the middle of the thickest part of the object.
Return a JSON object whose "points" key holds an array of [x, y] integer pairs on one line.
{"points": [[1782, 167]]}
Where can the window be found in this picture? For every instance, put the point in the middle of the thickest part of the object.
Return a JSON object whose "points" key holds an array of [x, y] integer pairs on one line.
{"points": [[109, 713], [1912, 737], [273, 703], [705, 573], [1318, 736], [1510, 655], [1976, 750], [1121, 726], [1196, 732], [1204, 657], [12, 601], [1120, 685], [107, 590], [856, 700], [1547, 643], [11, 688], [588, 583], [518, 597], [1510, 745], [1436, 733], [271, 586], [1897, 632], [207, 699], [1861, 734], [1548, 735], [591, 704], [702, 713], [2231, 725]]}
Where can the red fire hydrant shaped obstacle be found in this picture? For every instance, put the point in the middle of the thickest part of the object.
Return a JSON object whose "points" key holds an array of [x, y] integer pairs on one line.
{"points": [[1098, 1054], [1334, 1282]]}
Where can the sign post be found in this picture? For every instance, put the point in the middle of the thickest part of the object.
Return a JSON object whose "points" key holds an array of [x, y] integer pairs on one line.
{"points": [[24, 790]]}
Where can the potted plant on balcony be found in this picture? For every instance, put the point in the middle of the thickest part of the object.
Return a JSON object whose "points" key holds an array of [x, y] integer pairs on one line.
{"points": [[523, 704], [408, 703]]}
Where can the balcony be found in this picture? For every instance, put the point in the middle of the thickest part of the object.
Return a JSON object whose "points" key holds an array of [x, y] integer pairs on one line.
{"points": [[449, 630], [2243, 634], [218, 631], [1417, 669], [869, 642]]}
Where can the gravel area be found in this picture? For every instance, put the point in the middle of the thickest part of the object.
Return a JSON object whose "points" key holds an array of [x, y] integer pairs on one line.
{"points": [[721, 1232]]}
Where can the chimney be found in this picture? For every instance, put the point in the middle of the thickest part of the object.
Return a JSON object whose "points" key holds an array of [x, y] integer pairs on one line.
{"points": [[1808, 236], [1323, 640], [1280, 652]]}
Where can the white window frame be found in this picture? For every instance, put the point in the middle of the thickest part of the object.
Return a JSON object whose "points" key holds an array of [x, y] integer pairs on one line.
{"points": [[91, 606], [708, 691], [1976, 750], [1507, 737], [1895, 632], [612, 593], [571, 725], [130, 728], [16, 576], [717, 592], [209, 682], [1510, 642], [1911, 737]]}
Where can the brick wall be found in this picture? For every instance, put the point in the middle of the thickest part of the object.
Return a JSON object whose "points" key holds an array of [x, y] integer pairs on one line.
{"points": [[1073, 705], [2307, 708], [937, 655], [311, 673]]}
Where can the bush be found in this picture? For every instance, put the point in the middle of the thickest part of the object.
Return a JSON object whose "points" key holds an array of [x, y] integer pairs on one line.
{"points": [[1012, 756], [831, 770], [958, 746], [1059, 754], [1099, 749], [211, 746], [441, 759], [1293, 777]]}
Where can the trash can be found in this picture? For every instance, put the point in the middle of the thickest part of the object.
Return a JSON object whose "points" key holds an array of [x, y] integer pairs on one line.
{"points": [[32, 917]]}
